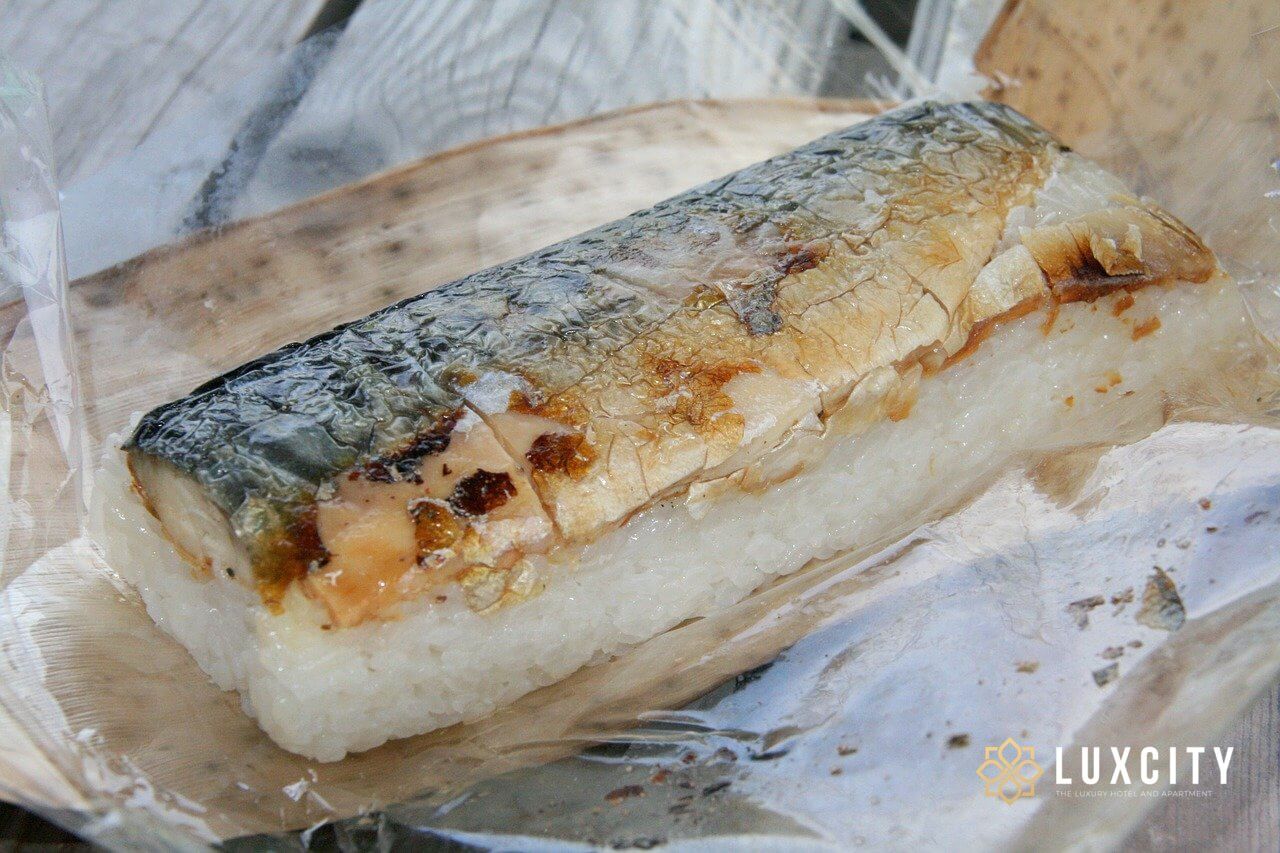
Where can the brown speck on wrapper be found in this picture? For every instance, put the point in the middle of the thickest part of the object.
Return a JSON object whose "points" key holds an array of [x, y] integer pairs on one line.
{"points": [[1121, 600], [1161, 605], [1106, 675], [1079, 610], [958, 741], [617, 795], [724, 754], [1027, 666]]}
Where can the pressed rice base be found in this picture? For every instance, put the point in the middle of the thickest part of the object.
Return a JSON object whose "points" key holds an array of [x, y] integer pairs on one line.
{"points": [[326, 693]]}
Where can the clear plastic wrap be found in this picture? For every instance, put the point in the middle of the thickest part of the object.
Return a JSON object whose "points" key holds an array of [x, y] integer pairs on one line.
{"points": [[847, 704]]}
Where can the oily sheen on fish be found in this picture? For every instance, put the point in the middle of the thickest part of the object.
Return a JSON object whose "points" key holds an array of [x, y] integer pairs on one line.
{"points": [[534, 405]]}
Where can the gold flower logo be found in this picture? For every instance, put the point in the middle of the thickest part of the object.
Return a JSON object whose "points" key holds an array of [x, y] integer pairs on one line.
{"points": [[1010, 771]]}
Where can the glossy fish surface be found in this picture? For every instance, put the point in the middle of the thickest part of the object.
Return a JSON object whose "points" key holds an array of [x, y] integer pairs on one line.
{"points": [[690, 347]]}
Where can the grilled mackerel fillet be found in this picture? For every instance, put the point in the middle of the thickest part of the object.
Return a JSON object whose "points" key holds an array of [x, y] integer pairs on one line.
{"points": [[528, 408]]}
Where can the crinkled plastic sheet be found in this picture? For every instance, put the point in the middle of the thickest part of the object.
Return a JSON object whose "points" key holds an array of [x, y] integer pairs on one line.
{"points": [[847, 704]]}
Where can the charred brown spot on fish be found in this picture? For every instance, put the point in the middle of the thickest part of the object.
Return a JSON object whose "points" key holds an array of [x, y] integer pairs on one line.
{"points": [[402, 465], [1109, 250], [753, 298], [482, 492], [289, 554], [565, 453], [434, 526], [800, 258]]}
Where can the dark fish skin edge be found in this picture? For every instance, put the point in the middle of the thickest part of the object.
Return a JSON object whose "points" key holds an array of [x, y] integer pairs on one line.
{"points": [[263, 438]]}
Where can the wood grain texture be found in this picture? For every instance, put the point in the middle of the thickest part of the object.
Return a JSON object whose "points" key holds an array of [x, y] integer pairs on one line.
{"points": [[1148, 68], [1176, 97], [27, 776], [36, 780], [409, 78], [1243, 816], [114, 72]]}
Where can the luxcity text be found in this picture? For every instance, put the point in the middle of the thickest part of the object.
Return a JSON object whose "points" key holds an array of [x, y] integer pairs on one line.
{"points": [[1146, 765]]}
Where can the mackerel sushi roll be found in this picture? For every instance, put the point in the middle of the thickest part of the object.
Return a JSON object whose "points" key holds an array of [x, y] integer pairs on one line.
{"points": [[419, 516]]}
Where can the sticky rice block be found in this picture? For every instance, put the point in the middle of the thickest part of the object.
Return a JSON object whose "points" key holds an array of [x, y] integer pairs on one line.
{"points": [[324, 693]]}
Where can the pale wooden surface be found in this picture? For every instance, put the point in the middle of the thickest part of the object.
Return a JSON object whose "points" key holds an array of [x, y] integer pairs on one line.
{"points": [[1177, 97], [1149, 71], [114, 71], [408, 78]]}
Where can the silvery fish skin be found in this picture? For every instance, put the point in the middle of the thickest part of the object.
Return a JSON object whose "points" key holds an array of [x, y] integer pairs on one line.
{"points": [[536, 403]]}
